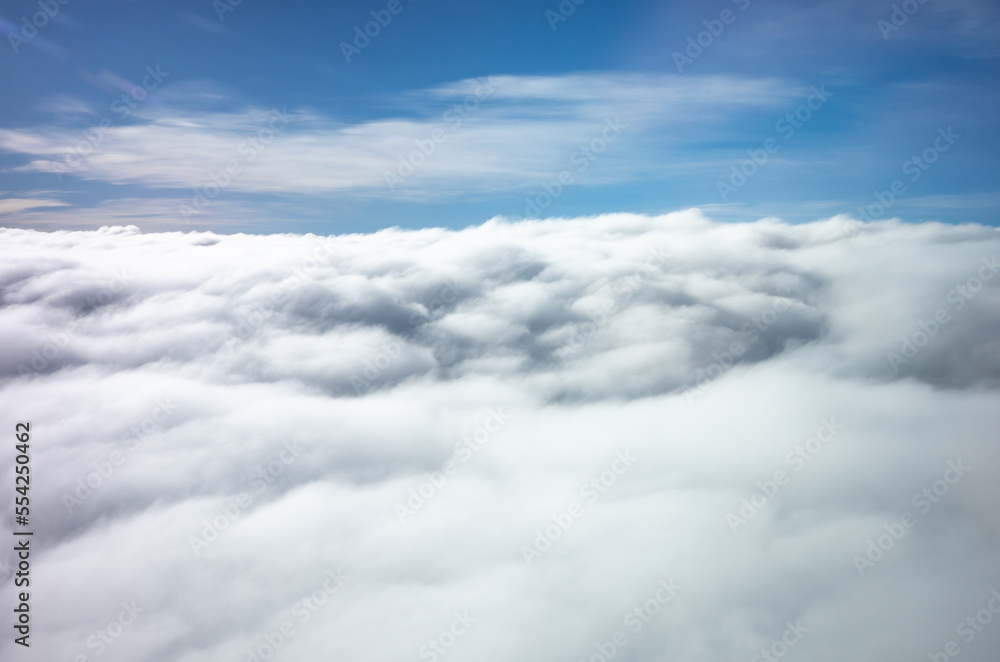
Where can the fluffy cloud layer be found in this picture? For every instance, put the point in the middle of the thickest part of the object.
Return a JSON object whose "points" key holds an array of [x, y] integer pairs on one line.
{"points": [[507, 439]]}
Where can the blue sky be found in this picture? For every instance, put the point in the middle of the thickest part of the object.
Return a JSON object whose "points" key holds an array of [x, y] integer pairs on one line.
{"points": [[131, 112]]}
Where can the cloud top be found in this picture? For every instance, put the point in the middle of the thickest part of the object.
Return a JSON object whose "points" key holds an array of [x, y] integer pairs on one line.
{"points": [[503, 441]]}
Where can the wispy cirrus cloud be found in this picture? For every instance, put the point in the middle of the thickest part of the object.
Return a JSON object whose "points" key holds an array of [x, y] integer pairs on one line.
{"points": [[500, 133], [14, 205]]}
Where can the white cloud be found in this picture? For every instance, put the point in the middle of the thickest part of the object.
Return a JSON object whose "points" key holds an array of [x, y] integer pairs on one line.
{"points": [[207, 355], [156, 213], [13, 205], [514, 133]]}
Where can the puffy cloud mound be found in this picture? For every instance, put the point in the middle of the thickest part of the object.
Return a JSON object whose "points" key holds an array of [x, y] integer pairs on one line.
{"points": [[647, 438]]}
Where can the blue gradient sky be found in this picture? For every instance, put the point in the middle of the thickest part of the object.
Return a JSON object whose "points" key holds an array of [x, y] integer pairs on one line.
{"points": [[555, 88]]}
